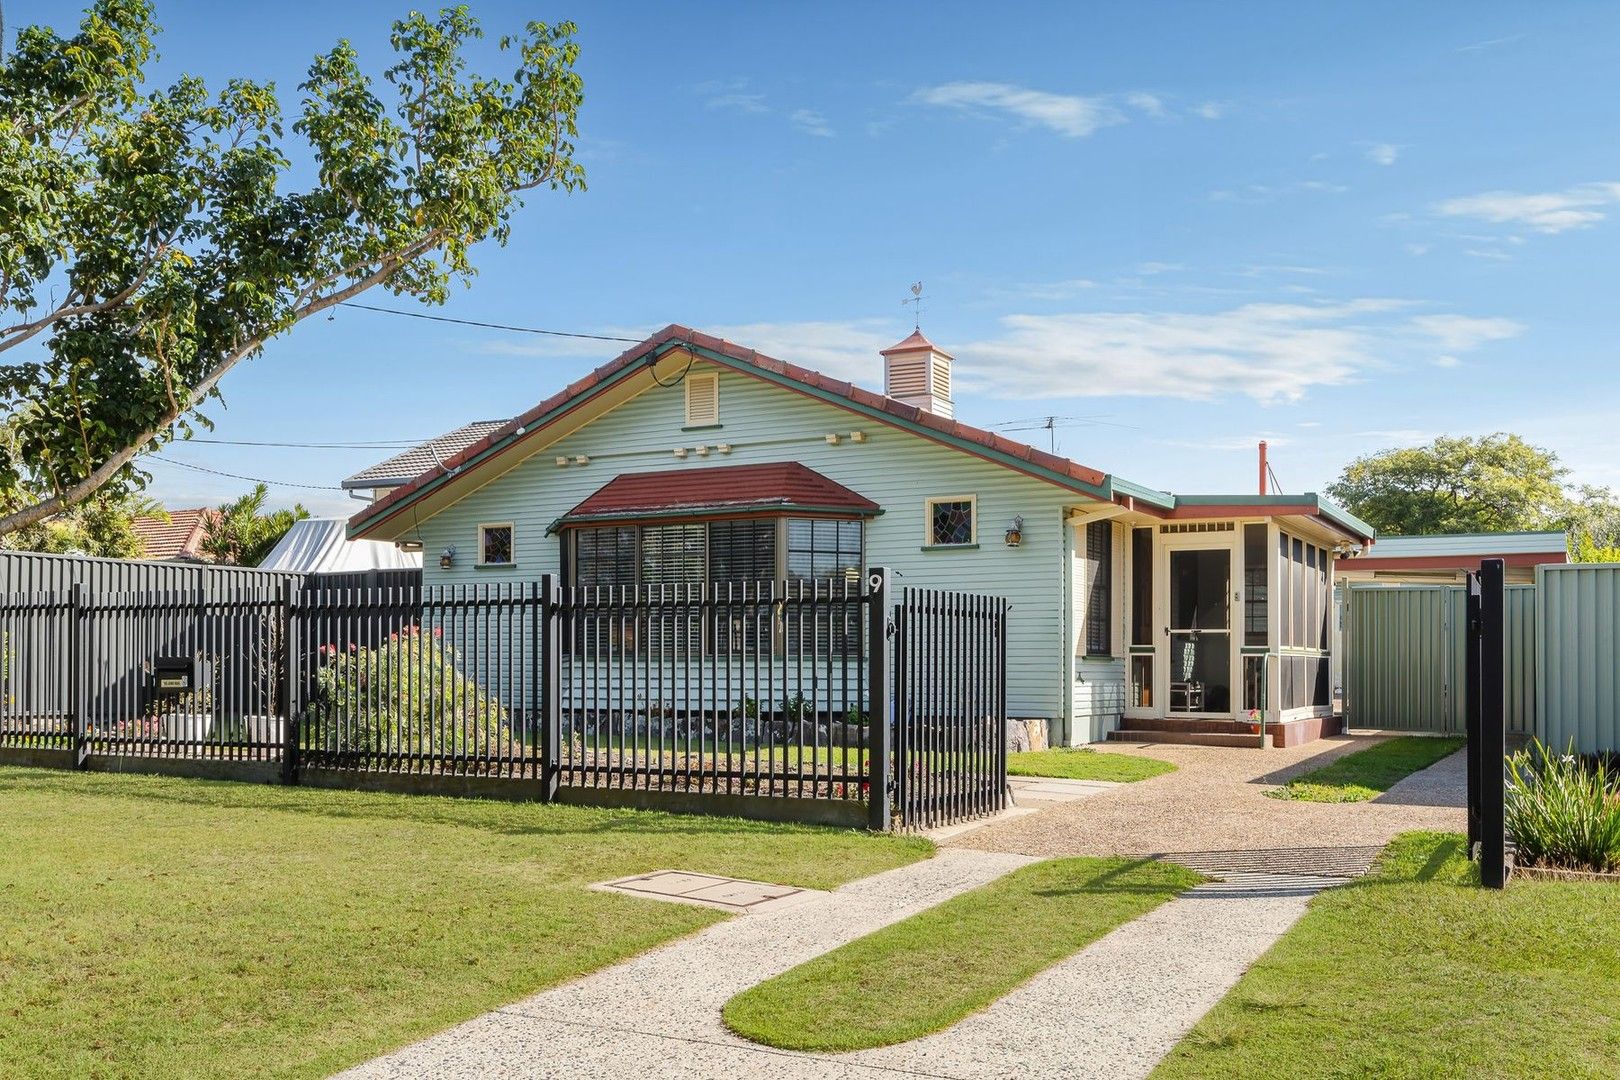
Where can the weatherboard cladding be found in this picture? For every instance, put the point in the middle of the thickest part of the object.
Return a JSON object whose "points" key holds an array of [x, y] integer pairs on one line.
{"points": [[766, 424], [736, 357], [716, 491]]}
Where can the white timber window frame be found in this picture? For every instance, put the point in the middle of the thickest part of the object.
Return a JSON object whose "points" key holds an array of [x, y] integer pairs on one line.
{"points": [[484, 529], [931, 536]]}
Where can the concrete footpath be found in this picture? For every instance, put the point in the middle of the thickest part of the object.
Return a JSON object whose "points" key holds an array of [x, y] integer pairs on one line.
{"points": [[1111, 1010]]}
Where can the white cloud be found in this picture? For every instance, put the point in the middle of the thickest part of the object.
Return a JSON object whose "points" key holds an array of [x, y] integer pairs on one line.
{"points": [[1070, 115], [1417, 249], [812, 122], [1150, 268], [1460, 333], [734, 95], [1383, 153], [1264, 193], [1210, 110], [1447, 361], [1269, 352], [1049, 290], [844, 350], [1151, 104], [1490, 43], [1577, 207]]}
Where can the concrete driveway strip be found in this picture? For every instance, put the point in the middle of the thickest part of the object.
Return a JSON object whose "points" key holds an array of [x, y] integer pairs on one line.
{"points": [[1112, 1010], [658, 1014]]}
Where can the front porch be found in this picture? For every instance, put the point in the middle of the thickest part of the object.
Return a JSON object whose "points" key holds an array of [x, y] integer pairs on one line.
{"points": [[1227, 632]]}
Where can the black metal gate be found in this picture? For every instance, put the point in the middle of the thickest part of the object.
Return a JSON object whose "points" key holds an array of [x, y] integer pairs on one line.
{"points": [[950, 693]]}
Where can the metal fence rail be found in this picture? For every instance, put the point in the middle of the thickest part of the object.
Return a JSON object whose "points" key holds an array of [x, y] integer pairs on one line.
{"points": [[741, 688], [950, 751], [770, 690]]}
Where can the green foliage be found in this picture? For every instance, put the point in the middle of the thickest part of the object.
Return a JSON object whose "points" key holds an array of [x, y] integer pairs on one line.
{"points": [[152, 239], [1563, 811], [242, 534], [1456, 484], [405, 695], [103, 526]]}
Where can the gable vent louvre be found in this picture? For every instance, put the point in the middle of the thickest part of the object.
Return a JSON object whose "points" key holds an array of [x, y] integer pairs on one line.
{"points": [[702, 398]]}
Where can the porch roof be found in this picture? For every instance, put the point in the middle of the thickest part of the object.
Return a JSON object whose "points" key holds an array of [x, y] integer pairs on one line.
{"points": [[721, 491], [1306, 504]]}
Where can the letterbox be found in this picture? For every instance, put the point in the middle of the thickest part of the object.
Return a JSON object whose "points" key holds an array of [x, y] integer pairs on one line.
{"points": [[173, 676]]}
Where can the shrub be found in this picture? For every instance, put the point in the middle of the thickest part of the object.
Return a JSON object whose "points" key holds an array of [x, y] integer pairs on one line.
{"points": [[1563, 811], [406, 695]]}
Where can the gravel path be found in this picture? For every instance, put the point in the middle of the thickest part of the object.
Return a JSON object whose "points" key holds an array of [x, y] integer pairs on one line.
{"points": [[1212, 813]]}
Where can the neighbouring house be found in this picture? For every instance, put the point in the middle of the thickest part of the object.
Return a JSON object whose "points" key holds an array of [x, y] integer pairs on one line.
{"points": [[178, 536], [1446, 560], [321, 546], [399, 470], [1136, 613]]}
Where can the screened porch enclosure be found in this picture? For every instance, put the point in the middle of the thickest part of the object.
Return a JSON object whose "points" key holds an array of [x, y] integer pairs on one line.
{"points": [[1228, 620]]}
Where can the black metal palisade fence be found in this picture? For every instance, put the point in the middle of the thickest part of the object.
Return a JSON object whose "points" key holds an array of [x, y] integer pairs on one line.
{"points": [[831, 700]]}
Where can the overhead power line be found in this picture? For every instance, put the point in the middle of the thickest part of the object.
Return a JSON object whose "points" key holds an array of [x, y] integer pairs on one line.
{"points": [[487, 325], [311, 445], [249, 479]]}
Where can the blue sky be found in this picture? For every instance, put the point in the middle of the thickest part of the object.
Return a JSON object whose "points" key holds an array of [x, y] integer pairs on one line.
{"points": [[1198, 225]]}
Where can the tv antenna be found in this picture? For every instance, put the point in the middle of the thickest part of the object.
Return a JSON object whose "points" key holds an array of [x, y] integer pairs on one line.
{"points": [[915, 301]]}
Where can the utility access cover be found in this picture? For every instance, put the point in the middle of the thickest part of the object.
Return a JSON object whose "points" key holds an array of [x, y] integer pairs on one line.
{"points": [[708, 890]]}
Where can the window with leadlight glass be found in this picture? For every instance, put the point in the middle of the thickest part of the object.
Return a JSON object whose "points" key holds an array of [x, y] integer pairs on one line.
{"points": [[951, 521]]}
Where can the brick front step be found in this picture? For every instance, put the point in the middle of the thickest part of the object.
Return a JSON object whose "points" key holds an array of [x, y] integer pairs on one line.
{"points": [[1224, 732]]}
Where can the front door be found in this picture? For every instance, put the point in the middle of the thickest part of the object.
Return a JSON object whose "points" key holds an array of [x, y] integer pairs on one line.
{"points": [[1200, 632]]}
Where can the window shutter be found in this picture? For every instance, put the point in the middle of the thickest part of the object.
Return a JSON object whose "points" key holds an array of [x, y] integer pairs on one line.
{"points": [[1099, 587], [702, 399]]}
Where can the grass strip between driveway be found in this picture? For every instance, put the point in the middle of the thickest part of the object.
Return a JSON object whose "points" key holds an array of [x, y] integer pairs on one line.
{"points": [[162, 927], [1080, 763], [1415, 971], [1368, 773], [926, 972]]}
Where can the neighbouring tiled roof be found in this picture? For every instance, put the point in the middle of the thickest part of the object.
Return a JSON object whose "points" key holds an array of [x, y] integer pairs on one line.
{"points": [[179, 536], [419, 459], [1017, 454], [725, 489]]}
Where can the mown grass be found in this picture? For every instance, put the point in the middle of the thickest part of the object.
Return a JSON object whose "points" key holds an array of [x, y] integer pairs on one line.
{"points": [[1415, 971], [162, 927], [1082, 763], [1368, 773], [926, 972]]}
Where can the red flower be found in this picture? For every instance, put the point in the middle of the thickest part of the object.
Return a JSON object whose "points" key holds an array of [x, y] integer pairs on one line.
{"points": [[438, 631], [353, 647]]}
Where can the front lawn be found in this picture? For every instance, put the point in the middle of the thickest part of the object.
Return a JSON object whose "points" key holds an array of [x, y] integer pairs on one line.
{"points": [[162, 927], [1368, 773], [1083, 763], [927, 972], [1417, 972]]}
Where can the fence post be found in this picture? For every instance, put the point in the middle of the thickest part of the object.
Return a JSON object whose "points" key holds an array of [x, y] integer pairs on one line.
{"points": [[549, 610], [78, 657], [1493, 731], [1471, 704], [291, 687], [880, 686]]}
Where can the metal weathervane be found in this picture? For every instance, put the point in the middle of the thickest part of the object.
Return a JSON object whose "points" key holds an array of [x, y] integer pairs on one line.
{"points": [[915, 300]]}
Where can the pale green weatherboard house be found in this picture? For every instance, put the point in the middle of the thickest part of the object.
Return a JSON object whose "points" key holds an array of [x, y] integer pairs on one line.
{"points": [[689, 458]]}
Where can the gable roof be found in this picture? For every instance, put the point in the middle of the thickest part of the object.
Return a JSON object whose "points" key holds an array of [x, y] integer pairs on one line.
{"points": [[179, 536], [674, 338], [775, 487], [412, 463]]}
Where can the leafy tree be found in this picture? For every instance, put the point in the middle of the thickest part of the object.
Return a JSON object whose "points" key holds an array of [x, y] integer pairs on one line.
{"points": [[152, 240], [242, 534], [103, 525], [1456, 484]]}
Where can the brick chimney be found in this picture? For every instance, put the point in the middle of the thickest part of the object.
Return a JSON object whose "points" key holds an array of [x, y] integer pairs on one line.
{"points": [[918, 373]]}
